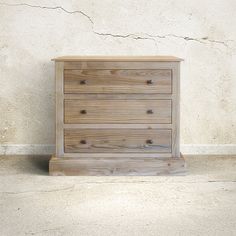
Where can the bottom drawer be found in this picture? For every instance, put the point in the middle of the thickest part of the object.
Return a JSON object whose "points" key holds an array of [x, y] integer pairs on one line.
{"points": [[117, 140]]}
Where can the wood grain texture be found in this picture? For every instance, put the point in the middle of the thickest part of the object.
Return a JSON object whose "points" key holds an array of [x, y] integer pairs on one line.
{"points": [[117, 167], [117, 96], [116, 155], [117, 111], [59, 108], [111, 120], [118, 58], [117, 126], [117, 140], [117, 81], [176, 112], [140, 65]]}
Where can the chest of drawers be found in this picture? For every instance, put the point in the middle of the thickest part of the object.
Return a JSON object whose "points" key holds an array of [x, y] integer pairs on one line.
{"points": [[117, 116]]}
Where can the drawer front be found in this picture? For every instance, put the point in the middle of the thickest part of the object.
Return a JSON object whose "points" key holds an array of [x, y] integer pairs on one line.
{"points": [[117, 111], [117, 140], [118, 81]]}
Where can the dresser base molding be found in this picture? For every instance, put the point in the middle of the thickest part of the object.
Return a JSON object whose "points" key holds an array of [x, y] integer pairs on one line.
{"points": [[116, 167]]}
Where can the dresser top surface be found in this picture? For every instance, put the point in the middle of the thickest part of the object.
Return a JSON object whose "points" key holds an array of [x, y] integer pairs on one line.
{"points": [[118, 58]]}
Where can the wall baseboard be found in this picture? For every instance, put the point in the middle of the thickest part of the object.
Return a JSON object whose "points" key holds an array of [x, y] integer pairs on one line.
{"points": [[27, 149], [190, 149], [208, 149]]}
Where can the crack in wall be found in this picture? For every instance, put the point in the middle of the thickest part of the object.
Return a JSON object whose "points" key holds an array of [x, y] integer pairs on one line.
{"points": [[142, 36], [48, 8], [132, 36]]}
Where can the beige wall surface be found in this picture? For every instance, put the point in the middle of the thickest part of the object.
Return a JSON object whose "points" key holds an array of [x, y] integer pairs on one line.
{"points": [[200, 31]]}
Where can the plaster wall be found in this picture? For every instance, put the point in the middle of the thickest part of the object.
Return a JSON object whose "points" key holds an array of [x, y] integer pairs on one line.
{"points": [[200, 31]]}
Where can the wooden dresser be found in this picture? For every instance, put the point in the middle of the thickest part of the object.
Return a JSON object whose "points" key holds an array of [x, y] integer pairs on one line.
{"points": [[117, 116]]}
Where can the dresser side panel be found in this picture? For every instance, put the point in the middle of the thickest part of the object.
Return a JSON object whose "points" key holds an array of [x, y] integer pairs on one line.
{"points": [[176, 110], [59, 71]]}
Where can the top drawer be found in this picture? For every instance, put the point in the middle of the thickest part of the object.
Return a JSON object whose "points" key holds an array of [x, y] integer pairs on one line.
{"points": [[118, 81]]}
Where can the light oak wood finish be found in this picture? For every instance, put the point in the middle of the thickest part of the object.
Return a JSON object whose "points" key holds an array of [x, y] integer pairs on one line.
{"points": [[117, 140], [117, 116], [121, 65], [117, 111], [117, 96], [117, 81], [117, 126], [117, 155], [176, 112], [117, 167], [59, 109], [118, 58]]}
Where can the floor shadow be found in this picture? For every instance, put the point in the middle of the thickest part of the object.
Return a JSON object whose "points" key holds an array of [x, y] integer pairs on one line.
{"points": [[40, 164]]}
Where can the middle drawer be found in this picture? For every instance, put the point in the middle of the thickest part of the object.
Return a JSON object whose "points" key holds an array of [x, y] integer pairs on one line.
{"points": [[117, 111]]}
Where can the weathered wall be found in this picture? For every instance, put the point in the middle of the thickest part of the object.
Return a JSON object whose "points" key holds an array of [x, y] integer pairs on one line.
{"points": [[200, 31]]}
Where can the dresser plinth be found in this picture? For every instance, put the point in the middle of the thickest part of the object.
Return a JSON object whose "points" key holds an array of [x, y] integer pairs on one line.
{"points": [[120, 167]]}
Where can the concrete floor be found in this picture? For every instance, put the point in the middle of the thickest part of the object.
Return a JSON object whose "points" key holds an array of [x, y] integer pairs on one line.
{"points": [[201, 203]]}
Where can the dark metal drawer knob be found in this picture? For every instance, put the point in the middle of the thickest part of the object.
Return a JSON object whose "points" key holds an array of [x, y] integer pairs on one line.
{"points": [[149, 81], [150, 111], [82, 81], [83, 141], [149, 141], [83, 112]]}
